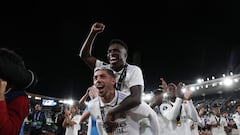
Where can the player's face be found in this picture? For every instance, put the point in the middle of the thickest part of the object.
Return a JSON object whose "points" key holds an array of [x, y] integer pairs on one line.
{"points": [[171, 91], [116, 55], [103, 82], [238, 109], [216, 111]]}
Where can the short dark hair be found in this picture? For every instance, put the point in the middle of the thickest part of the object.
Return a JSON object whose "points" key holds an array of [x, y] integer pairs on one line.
{"points": [[120, 42], [237, 105], [173, 85], [109, 71]]}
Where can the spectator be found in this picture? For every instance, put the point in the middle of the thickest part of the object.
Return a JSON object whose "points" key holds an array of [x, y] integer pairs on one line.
{"points": [[38, 119], [14, 80], [72, 121]]}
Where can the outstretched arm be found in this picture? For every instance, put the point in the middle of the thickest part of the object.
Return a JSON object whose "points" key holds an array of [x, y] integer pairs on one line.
{"points": [[91, 92], [86, 50], [171, 112], [156, 101], [83, 99]]}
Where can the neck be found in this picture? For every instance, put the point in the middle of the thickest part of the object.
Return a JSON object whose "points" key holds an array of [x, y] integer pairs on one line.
{"points": [[118, 68], [108, 97]]}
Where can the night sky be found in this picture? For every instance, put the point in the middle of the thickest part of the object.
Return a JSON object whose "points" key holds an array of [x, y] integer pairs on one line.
{"points": [[177, 40]]}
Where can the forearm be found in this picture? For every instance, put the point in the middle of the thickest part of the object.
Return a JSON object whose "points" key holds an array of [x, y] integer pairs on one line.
{"points": [[192, 111], [171, 114], [83, 99], [128, 103], [65, 122], [85, 116], [87, 46], [153, 104], [71, 123], [213, 125]]}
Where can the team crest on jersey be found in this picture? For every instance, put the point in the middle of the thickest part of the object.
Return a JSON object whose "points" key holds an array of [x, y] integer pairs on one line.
{"points": [[165, 108], [98, 117]]}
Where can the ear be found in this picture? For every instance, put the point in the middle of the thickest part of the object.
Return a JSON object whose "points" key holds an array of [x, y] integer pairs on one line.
{"points": [[113, 81], [126, 55]]}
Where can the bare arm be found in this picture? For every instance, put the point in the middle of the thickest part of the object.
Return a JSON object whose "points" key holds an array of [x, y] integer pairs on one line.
{"points": [[136, 87], [85, 116], [133, 100], [65, 123], [66, 119], [156, 101], [86, 50], [84, 98], [91, 92], [72, 122]]}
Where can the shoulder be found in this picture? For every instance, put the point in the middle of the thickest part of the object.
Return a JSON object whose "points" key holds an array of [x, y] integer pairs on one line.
{"points": [[22, 99], [20, 102], [134, 67], [234, 115], [92, 103], [135, 72], [121, 95]]}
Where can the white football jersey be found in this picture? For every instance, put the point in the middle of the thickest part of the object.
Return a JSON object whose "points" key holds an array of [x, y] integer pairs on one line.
{"points": [[128, 121]]}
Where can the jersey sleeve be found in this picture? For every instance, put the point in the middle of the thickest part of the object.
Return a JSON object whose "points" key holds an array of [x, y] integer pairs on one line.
{"points": [[136, 77], [171, 112]]}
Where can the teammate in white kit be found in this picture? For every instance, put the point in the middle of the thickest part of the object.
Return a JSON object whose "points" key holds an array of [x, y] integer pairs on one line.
{"points": [[217, 122], [176, 113], [236, 118], [125, 123]]}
